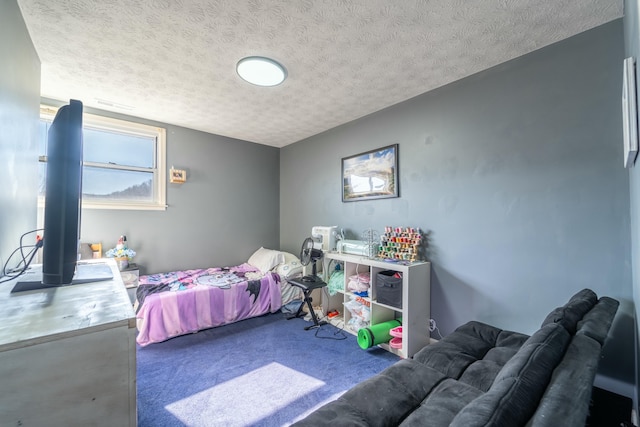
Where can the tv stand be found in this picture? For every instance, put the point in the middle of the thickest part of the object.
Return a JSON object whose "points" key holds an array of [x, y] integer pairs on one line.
{"points": [[73, 344]]}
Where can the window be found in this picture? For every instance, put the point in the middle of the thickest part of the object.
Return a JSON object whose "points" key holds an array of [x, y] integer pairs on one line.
{"points": [[124, 163]]}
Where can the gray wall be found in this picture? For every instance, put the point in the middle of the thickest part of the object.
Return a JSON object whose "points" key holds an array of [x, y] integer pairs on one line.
{"points": [[226, 210], [632, 48], [19, 106], [516, 172]]}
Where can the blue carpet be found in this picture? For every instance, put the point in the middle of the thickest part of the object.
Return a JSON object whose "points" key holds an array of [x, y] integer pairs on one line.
{"points": [[265, 371]]}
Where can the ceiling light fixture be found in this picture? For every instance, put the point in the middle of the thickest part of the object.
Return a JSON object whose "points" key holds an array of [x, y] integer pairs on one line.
{"points": [[261, 71]]}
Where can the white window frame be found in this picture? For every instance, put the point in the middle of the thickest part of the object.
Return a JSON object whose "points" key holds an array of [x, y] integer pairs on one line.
{"points": [[93, 121]]}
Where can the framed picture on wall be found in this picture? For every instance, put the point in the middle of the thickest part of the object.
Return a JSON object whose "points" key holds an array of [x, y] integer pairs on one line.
{"points": [[629, 112], [370, 175]]}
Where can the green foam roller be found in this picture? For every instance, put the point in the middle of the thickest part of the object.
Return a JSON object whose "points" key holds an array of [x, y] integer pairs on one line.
{"points": [[376, 334]]}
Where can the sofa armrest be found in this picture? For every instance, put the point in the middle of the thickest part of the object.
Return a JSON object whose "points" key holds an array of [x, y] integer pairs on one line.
{"points": [[567, 395], [566, 399]]}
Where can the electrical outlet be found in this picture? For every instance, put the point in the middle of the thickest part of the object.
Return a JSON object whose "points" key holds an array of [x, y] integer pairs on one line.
{"points": [[432, 325]]}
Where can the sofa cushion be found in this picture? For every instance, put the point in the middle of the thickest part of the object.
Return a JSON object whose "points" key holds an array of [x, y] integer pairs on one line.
{"points": [[518, 387], [447, 358], [481, 374], [569, 314], [501, 355], [474, 353], [382, 400], [442, 404], [596, 323], [511, 340], [338, 413], [456, 352], [482, 331]]}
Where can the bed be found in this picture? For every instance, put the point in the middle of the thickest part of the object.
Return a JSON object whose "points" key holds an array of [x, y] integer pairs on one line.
{"points": [[182, 302]]}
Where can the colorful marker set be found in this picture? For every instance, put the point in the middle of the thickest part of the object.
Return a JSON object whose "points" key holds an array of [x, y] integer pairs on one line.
{"points": [[400, 243]]}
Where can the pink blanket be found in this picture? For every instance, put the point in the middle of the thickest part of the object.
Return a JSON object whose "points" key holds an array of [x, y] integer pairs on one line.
{"points": [[183, 302]]}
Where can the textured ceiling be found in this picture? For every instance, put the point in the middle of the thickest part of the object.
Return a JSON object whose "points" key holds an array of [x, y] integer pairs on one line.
{"points": [[174, 60]]}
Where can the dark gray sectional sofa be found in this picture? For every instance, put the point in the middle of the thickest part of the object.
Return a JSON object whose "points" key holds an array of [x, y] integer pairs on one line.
{"points": [[484, 376]]}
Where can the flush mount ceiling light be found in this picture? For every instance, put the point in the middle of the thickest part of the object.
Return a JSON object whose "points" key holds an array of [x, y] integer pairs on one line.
{"points": [[261, 71]]}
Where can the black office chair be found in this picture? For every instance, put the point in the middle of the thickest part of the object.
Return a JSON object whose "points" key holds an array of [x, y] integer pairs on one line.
{"points": [[308, 283]]}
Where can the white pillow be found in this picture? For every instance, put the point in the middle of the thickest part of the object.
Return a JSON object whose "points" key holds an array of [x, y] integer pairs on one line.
{"points": [[265, 259], [290, 267]]}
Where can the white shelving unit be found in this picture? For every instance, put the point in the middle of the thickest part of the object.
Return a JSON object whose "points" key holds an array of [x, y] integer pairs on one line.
{"points": [[415, 310]]}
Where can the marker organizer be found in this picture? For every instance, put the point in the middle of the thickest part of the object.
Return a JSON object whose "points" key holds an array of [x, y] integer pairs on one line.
{"points": [[400, 243]]}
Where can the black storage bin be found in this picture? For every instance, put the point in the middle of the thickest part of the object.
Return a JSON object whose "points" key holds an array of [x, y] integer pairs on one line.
{"points": [[389, 288]]}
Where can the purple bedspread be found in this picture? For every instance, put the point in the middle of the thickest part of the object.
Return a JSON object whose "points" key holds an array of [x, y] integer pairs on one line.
{"points": [[182, 302]]}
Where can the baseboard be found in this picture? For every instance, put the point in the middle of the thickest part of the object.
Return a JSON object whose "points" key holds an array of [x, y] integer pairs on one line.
{"points": [[615, 386]]}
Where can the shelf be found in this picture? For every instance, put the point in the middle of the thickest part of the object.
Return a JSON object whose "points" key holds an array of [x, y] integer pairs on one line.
{"points": [[396, 351], [390, 307], [337, 321], [415, 299]]}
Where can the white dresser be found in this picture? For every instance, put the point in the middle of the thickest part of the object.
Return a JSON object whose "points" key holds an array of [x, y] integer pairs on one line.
{"points": [[68, 355]]}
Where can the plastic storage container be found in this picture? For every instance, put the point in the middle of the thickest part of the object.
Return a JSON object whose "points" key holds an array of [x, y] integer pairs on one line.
{"points": [[389, 288]]}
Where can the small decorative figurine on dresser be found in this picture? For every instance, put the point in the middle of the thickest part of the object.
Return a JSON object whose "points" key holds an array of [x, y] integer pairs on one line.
{"points": [[122, 254]]}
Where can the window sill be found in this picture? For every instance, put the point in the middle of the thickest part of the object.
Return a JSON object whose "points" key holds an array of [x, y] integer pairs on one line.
{"points": [[124, 206], [116, 205]]}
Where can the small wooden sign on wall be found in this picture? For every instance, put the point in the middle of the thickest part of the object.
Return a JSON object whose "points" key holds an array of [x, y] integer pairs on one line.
{"points": [[177, 176]]}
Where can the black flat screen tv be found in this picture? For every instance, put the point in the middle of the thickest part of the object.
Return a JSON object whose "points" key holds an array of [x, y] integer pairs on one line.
{"points": [[62, 210], [63, 196]]}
